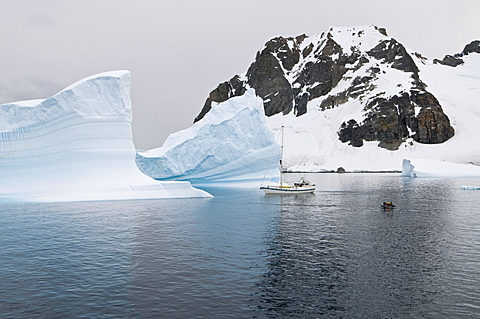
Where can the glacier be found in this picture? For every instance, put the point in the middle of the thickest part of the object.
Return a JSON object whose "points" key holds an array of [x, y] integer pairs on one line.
{"points": [[77, 146], [232, 144]]}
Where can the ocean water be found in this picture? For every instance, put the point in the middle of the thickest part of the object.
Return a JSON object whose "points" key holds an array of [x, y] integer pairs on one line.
{"points": [[241, 254]]}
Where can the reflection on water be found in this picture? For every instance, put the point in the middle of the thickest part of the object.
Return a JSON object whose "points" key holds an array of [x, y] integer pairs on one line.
{"points": [[337, 254], [332, 254], [199, 259], [306, 260]]}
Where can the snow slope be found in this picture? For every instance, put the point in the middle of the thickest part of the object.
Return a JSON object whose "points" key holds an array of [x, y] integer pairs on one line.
{"points": [[76, 146], [232, 143], [458, 91]]}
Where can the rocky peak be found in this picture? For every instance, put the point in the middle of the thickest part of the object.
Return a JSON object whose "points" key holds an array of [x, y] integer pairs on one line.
{"points": [[456, 59], [343, 64], [234, 87], [393, 53], [472, 47]]}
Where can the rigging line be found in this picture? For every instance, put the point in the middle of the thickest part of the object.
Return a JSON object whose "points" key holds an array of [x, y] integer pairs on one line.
{"points": [[273, 151], [285, 145]]}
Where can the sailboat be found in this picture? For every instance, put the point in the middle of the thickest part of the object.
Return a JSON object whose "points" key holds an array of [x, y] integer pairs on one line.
{"points": [[300, 187]]}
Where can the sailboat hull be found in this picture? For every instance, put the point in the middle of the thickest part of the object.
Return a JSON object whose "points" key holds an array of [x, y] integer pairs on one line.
{"points": [[287, 190]]}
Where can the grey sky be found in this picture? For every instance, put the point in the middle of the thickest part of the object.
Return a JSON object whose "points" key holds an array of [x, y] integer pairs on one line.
{"points": [[179, 50]]}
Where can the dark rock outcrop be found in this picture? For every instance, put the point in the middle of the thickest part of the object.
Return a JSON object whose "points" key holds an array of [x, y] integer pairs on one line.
{"points": [[450, 60], [395, 54], [224, 91], [266, 75], [431, 125], [389, 120], [456, 60], [472, 47]]}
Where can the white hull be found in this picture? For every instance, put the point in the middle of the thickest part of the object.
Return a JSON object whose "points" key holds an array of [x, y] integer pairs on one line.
{"points": [[287, 190]]}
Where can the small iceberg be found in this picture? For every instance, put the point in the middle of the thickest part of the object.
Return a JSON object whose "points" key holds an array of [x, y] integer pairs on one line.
{"points": [[433, 168], [470, 187]]}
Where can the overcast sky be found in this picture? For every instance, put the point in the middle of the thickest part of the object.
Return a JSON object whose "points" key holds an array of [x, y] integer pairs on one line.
{"points": [[178, 51]]}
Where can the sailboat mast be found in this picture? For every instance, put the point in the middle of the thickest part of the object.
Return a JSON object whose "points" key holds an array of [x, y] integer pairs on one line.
{"points": [[281, 159]]}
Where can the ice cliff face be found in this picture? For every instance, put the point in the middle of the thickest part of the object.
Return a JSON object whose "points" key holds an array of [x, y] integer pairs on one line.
{"points": [[232, 143], [76, 145]]}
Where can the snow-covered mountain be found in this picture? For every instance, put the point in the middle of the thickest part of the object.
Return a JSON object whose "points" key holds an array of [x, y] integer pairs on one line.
{"points": [[77, 145], [356, 98]]}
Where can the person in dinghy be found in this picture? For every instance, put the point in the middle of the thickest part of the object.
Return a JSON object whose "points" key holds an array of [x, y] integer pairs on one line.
{"points": [[387, 205]]}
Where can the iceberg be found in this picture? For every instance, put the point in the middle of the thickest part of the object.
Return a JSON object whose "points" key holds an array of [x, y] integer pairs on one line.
{"points": [[232, 144], [77, 146], [434, 168], [471, 188]]}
